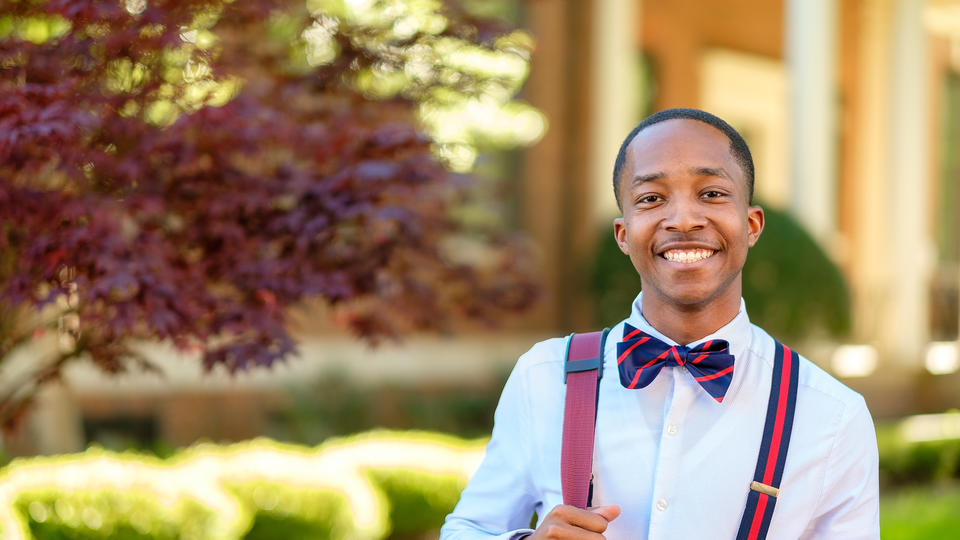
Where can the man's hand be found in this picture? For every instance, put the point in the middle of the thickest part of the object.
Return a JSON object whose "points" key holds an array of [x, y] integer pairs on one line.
{"points": [[570, 522]]}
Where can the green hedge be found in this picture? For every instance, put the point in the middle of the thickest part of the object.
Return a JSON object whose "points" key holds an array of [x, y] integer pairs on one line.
{"points": [[418, 501], [293, 513], [904, 462], [131, 515], [397, 485]]}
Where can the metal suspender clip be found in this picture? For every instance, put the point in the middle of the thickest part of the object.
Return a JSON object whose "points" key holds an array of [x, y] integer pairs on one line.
{"points": [[765, 489]]}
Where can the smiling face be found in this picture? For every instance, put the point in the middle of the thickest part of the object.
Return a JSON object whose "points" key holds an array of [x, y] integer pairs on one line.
{"points": [[687, 223]]}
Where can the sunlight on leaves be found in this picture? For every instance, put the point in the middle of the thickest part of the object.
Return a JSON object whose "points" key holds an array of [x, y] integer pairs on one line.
{"points": [[36, 30], [465, 90], [135, 7], [321, 47]]}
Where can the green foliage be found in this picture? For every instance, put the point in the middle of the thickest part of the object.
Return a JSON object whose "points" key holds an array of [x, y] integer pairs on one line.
{"points": [[613, 281], [464, 88], [419, 501], [792, 289], [358, 487], [294, 513], [414, 479], [909, 463], [130, 515], [36, 29], [791, 286], [920, 513]]}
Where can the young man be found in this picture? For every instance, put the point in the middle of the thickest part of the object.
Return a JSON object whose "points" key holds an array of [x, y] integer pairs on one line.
{"points": [[675, 454]]}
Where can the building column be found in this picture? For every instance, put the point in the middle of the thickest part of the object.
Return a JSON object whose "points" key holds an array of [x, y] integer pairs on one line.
{"points": [[870, 271], [891, 258], [908, 248], [543, 183], [811, 54], [614, 74]]}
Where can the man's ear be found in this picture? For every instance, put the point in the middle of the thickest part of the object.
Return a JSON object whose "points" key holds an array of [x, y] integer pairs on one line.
{"points": [[754, 224], [620, 234]]}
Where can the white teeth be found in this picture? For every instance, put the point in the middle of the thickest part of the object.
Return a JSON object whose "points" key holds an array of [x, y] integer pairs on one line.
{"points": [[687, 255]]}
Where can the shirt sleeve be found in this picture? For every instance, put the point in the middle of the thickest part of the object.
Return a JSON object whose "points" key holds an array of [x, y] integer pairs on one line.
{"points": [[499, 500], [849, 504]]}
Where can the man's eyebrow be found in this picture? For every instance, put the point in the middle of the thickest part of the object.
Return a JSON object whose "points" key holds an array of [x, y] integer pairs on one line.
{"points": [[641, 178], [697, 171], [711, 171]]}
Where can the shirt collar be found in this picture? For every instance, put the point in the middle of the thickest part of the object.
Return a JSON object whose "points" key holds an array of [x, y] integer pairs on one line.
{"points": [[737, 332]]}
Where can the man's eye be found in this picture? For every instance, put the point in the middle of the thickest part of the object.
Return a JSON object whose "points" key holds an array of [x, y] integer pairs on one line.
{"points": [[712, 194], [648, 199]]}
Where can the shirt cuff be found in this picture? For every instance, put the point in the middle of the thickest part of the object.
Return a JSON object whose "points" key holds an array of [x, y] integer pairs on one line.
{"points": [[521, 533]]}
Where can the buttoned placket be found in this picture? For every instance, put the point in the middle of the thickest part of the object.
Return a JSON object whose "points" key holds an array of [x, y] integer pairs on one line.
{"points": [[669, 461]]}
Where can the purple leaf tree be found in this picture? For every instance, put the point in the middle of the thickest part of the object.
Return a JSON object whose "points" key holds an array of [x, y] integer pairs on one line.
{"points": [[187, 171]]}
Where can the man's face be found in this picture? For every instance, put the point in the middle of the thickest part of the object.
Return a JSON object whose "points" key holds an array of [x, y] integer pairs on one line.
{"points": [[687, 222]]}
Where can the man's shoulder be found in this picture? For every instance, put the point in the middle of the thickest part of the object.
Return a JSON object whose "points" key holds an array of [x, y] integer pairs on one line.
{"points": [[815, 381], [815, 378], [545, 358], [550, 353], [546, 354]]}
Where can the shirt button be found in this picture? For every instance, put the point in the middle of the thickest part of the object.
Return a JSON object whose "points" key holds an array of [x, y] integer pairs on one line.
{"points": [[672, 429], [662, 505]]}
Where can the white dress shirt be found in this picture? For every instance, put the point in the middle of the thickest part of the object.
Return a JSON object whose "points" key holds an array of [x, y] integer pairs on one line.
{"points": [[678, 463]]}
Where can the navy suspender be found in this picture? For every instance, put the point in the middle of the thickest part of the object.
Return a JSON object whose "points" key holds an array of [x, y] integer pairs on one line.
{"points": [[765, 487]]}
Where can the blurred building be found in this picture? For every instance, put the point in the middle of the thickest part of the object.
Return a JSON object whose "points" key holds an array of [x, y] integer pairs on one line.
{"points": [[852, 109]]}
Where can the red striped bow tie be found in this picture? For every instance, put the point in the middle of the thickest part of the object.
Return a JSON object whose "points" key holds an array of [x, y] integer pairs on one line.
{"points": [[640, 357]]}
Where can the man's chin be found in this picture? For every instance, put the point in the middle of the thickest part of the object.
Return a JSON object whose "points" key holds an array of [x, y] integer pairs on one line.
{"points": [[689, 298], [691, 302]]}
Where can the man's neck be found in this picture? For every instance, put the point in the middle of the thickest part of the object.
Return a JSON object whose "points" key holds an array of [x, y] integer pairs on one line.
{"points": [[687, 324]]}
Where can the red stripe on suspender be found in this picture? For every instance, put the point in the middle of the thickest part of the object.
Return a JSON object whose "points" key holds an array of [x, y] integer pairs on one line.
{"points": [[781, 413], [758, 516], [775, 442]]}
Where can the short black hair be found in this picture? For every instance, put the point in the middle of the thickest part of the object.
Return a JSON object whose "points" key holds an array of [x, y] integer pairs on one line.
{"points": [[738, 147]]}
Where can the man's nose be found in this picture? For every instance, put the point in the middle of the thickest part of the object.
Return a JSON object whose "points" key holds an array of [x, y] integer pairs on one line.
{"points": [[684, 215]]}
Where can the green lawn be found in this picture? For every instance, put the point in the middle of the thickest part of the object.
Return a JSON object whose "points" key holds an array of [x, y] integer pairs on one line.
{"points": [[928, 513]]}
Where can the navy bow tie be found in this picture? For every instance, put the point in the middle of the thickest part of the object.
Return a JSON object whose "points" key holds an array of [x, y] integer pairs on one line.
{"points": [[640, 357]]}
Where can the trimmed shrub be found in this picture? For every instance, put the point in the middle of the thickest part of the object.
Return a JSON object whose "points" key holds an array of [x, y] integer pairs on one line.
{"points": [[351, 487], [791, 286], [905, 462], [920, 463], [419, 501], [133, 515], [293, 513]]}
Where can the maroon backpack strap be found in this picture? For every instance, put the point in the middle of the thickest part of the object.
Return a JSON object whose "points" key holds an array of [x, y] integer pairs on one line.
{"points": [[582, 370]]}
